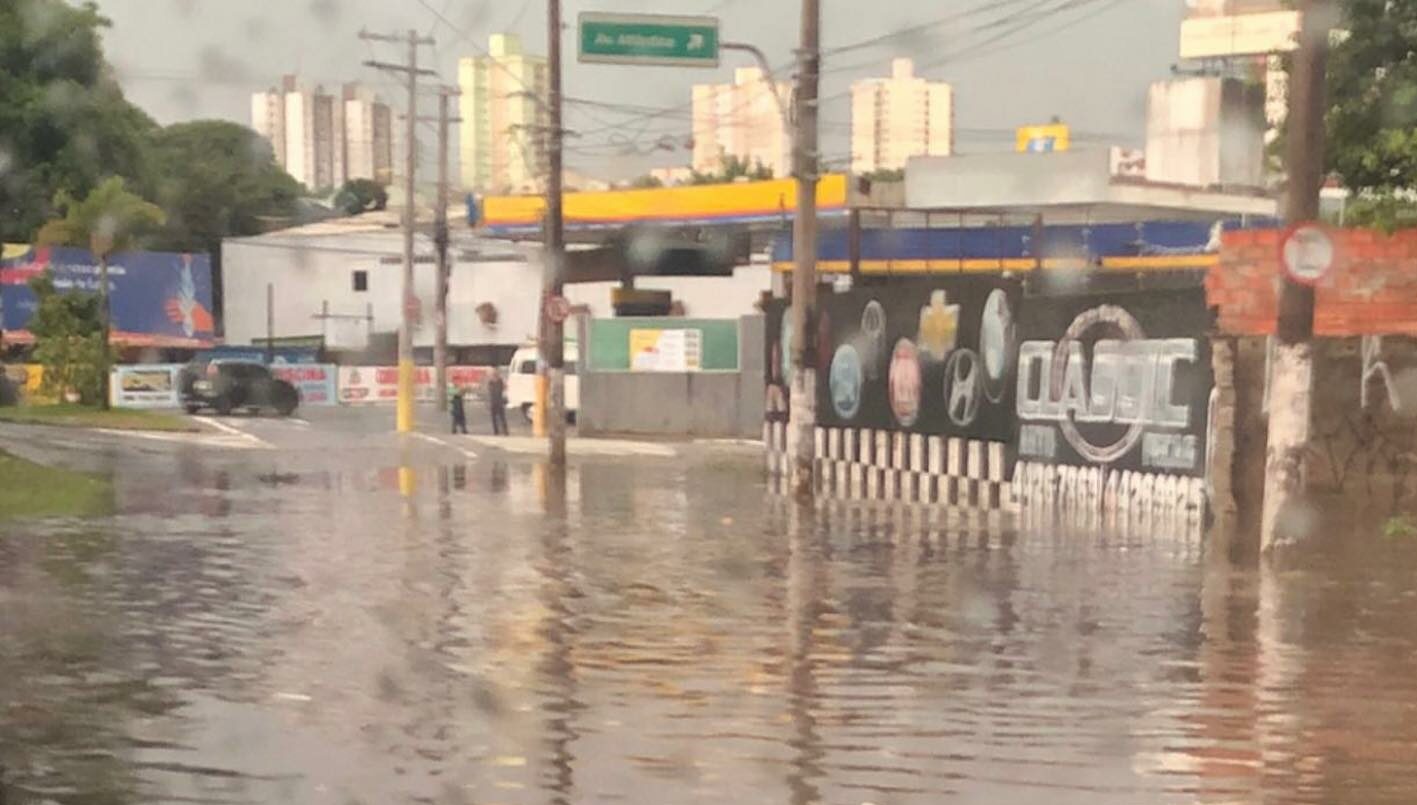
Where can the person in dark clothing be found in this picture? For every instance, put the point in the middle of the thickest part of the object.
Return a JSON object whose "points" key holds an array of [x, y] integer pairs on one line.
{"points": [[497, 401], [459, 409]]}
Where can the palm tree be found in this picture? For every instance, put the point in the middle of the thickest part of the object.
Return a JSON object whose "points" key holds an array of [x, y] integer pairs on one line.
{"points": [[108, 220]]}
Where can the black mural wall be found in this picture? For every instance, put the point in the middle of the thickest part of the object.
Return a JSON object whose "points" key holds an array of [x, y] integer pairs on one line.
{"points": [[1120, 380], [1115, 380]]}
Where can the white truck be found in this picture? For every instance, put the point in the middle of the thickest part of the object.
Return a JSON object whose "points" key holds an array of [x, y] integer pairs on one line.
{"points": [[521, 379]]}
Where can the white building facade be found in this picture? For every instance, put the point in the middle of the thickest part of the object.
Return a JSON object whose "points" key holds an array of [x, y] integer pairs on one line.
{"points": [[340, 281], [742, 120], [896, 118]]}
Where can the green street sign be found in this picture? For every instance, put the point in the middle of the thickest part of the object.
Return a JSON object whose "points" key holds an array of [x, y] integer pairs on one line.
{"points": [[649, 39]]}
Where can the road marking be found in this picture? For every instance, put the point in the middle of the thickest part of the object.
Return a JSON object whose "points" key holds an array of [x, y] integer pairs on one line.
{"points": [[435, 440], [237, 432], [193, 439], [529, 445], [299, 423]]}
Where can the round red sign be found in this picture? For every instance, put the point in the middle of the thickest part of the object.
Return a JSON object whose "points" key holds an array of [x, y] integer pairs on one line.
{"points": [[1307, 253]]}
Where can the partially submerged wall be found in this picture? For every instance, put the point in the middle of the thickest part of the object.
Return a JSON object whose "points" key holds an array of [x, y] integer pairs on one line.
{"points": [[992, 391]]}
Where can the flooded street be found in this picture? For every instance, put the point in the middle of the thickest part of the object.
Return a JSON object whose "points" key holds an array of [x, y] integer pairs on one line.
{"points": [[282, 626]]}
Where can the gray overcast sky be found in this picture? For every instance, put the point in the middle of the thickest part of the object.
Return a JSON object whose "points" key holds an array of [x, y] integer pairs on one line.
{"points": [[1090, 64]]}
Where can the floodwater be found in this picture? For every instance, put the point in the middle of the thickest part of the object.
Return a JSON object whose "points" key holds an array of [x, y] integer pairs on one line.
{"points": [[339, 631]]}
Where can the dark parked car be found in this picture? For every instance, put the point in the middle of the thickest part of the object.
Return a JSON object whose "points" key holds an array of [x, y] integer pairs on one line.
{"points": [[228, 385]]}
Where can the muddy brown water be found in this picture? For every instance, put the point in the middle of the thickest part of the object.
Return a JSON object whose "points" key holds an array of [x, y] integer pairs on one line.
{"points": [[276, 631]]}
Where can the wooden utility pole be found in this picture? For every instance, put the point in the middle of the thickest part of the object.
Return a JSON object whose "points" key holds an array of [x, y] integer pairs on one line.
{"points": [[803, 415], [553, 330], [1291, 372], [409, 299], [440, 243]]}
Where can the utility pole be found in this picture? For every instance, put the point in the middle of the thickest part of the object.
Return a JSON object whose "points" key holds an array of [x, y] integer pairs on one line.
{"points": [[803, 415], [440, 243], [410, 301], [552, 330], [270, 323], [1291, 379]]}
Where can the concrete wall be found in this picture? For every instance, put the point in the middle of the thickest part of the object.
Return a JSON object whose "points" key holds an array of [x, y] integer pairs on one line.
{"points": [[696, 404], [1205, 131], [308, 272]]}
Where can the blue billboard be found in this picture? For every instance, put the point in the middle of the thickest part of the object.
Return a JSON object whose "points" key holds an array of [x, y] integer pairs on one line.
{"points": [[158, 299]]}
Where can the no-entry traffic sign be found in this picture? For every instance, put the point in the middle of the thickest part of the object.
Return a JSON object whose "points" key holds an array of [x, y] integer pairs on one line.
{"points": [[558, 309], [1307, 253]]}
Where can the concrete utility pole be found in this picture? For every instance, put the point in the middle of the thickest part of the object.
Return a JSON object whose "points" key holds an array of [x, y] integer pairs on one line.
{"points": [[1291, 372], [553, 330], [803, 416], [410, 301], [440, 243]]}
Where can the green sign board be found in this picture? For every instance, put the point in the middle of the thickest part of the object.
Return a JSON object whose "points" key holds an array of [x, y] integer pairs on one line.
{"points": [[616, 345], [649, 39]]}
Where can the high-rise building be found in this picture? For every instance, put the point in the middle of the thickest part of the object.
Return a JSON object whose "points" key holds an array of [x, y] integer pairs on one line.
{"points": [[312, 136], [896, 118], [743, 121], [368, 136], [503, 146]]}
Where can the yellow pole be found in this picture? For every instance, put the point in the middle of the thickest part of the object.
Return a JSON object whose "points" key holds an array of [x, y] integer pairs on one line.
{"points": [[538, 408], [406, 394]]}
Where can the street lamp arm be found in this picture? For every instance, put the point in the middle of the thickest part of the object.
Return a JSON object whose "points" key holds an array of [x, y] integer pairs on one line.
{"points": [[767, 75]]}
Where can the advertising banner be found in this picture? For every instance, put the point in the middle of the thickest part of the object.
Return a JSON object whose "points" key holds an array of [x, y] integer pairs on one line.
{"points": [[145, 386], [1120, 381], [27, 378], [933, 356], [159, 299], [666, 350], [314, 381], [360, 385]]}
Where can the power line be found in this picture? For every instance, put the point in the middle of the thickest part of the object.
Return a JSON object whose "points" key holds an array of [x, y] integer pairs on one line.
{"points": [[921, 27]]}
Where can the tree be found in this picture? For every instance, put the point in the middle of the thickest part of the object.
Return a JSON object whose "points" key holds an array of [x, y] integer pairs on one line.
{"points": [[215, 180], [733, 168], [1372, 116], [361, 195], [64, 123], [109, 219], [645, 182], [70, 342]]}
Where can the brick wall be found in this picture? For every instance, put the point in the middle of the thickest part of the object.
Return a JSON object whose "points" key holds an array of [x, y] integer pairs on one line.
{"points": [[1372, 289]]}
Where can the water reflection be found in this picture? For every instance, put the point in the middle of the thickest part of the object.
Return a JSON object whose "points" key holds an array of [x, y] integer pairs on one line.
{"points": [[653, 632]]}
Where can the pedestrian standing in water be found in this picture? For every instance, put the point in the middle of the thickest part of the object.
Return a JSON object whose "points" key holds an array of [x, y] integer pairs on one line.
{"points": [[459, 410], [497, 400]]}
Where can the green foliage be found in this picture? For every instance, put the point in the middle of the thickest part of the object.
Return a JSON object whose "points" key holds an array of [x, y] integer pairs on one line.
{"points": [[69, 341], [64, 123], [1400, 527], [1372, 87], [217, 179], [646, 182], [732, 169], [33, 490], [64, 415], [361, 195], [109, 219], [1385, 212]]}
